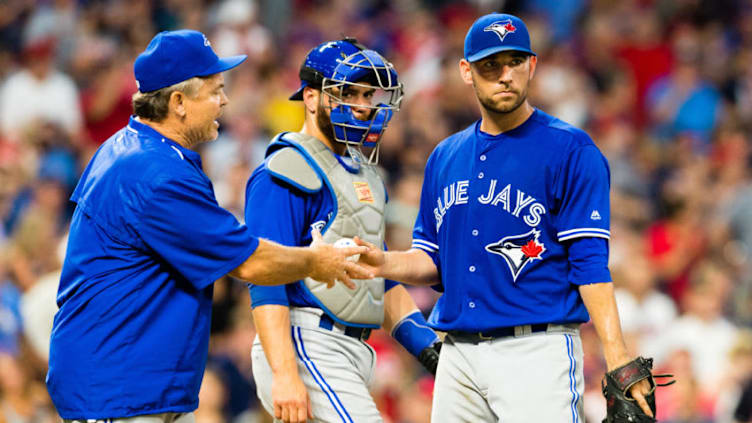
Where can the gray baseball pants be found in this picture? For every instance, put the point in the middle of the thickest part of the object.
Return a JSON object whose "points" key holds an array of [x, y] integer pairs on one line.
{"points": [[336, 369], [529, 377]]}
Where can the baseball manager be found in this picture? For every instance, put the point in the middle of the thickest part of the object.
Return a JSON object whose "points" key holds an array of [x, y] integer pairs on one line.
{"points": [[146, 243]]}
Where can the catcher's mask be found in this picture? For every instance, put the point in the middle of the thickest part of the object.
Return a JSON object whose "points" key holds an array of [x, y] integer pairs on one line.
{"points": [[362, 80], [353, 77]]}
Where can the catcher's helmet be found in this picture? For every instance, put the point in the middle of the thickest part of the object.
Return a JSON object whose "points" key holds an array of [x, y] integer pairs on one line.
{"points": [[336, 67]]}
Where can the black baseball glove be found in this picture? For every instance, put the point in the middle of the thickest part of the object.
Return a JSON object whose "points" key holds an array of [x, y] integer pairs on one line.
{"points": [[620, 406], [429, 357]]}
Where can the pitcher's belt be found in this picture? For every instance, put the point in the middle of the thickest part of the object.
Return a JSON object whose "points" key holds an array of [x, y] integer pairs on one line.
{"points": [[504, 332]]}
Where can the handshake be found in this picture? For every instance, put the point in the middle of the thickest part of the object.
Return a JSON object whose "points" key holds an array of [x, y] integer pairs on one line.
{"points": [[345, 260]]}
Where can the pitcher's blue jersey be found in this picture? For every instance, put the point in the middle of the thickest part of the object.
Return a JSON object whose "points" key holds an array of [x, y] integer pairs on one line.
{"points": [[498, 215]]}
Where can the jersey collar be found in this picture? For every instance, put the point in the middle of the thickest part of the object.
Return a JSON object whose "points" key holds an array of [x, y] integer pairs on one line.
{"points": [[350, 164], [514, 131], [147, 131]]}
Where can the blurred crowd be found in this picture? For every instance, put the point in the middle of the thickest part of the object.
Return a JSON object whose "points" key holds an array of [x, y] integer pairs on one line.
{"points": [[664, 87]]}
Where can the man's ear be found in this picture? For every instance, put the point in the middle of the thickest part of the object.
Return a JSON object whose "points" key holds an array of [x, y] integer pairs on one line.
{"points": [[176, 104], [311, 99], [466, 72], [533, 65]]}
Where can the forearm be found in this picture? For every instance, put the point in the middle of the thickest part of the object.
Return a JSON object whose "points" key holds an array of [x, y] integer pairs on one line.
{"points": [[273, 326], [397, 304], [413, 267], [601, 304], [275, 264]]}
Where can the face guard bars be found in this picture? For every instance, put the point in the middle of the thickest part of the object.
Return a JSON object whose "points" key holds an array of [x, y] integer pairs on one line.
{"points": [[368, 70]]}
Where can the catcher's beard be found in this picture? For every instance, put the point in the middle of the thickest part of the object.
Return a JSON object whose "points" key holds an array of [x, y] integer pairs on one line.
{"points": [[324, 122], [490, 105]]}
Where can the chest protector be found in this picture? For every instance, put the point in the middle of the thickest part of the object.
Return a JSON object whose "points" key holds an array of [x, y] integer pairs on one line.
{"points": [[359, 199]]}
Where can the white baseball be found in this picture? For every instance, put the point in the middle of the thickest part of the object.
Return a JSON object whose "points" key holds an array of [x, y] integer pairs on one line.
{"points": [[347, 242]]}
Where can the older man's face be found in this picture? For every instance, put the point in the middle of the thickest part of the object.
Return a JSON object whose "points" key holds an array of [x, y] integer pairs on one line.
{"points": [[203, 110]]}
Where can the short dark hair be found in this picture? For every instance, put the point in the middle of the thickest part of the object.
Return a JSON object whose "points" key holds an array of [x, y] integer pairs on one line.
{"points": [[153, 105]]}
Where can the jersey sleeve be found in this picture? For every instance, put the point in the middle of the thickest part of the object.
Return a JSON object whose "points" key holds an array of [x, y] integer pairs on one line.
{"points": [[183, 224], [583, 194], [425, 231], [277, 213], [588, 261]]}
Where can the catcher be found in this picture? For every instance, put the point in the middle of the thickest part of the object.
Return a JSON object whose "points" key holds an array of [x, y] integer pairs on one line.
{"points": [[310, 359]]}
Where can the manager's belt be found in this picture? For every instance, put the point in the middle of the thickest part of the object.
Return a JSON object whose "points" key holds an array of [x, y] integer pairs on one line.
{"points": [[327, 323], [476, 337]]}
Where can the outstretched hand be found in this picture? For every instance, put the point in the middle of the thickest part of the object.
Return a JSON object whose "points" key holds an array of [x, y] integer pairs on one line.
{"points": [[372, 259], [330, 264]]}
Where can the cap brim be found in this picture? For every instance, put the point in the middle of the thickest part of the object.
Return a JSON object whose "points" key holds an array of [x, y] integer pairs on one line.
{"points": [[298, 95], [493, 50], [224, 64]]}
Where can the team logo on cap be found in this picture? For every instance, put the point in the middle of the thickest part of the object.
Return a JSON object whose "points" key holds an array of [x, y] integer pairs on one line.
{"points": [[501, 28], [518, 250]]}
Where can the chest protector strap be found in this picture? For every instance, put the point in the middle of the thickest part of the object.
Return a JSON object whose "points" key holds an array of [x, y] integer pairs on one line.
{"points": [[308, 165]]}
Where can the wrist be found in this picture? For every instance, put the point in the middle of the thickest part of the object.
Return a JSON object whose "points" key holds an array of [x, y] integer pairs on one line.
{"points": [[309, 260], [381, 271], [286, 371], [616, 359]]}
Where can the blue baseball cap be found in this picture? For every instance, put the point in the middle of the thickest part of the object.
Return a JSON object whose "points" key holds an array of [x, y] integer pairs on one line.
{"points": [[496, 32], [321, 61], [176, 56]]}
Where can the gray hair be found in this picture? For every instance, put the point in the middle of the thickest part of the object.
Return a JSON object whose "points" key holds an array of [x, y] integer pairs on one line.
{"points": [[153, 105]]}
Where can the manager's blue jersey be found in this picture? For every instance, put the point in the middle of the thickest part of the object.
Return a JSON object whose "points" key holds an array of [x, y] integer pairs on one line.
{"points": [[499, 216], [146, 242], [278, 211]]}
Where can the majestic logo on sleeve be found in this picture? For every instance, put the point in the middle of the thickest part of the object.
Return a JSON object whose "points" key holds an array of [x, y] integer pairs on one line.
{"points": [[319, 225], [501, 28], [518, 250]]}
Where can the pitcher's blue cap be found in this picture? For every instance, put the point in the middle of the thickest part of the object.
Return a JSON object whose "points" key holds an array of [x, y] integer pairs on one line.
{"points": [[176, 56], [496, 32]]}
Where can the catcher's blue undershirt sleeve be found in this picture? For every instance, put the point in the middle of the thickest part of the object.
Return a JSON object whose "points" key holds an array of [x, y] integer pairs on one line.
{"points": [[277, 213]]}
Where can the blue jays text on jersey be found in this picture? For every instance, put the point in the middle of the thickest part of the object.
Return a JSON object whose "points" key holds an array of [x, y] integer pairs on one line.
{"points": [[506, 219], [456, 193]]}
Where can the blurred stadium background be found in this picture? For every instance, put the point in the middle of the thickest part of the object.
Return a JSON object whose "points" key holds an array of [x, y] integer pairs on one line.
{"points": [[663, 86]]}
